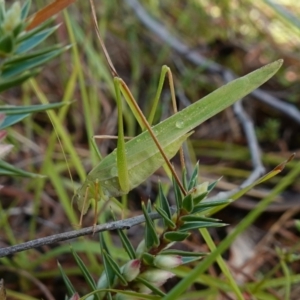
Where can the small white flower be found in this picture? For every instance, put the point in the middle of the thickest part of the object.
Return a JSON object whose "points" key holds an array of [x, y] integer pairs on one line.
{"points": [[131, 269], [157, 277], [167, 261]]}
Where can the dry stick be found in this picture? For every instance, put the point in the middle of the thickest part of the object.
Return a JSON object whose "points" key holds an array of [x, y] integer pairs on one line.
{"points": [[197, 59], [261, 247], [263, 243], [122, 224]]}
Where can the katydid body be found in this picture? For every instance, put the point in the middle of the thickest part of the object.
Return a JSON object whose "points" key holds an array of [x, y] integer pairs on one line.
{"points": [[143, 157]]}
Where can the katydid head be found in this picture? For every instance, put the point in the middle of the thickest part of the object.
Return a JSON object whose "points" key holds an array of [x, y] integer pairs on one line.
{"points": [[91, 190]]}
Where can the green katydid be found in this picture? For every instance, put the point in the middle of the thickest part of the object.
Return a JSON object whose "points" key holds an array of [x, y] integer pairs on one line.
{"points": [[134, 161], [131, 163]]}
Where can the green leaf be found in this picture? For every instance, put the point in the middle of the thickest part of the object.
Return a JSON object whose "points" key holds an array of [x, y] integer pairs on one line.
{"points": [[135, 295], [189, 259], [114, 266], [184, 179], [125, 241], [13, 70], [164, 204], [154, 289], [8, 169], [109, 271], [176, 236], [21, 58], [187, 203], [212, 185], [149, 207], [127, 244], [27, 34], [148, 259], [11, 120], [202, 206], [25, 9], [34, 40], [17, 80], [194, 178], [15, 114], [13, 110], [192, 218], [178, 195], [85, 272], [196, 225], [168, 223], [199, 198], [151, 238], [18, 29], [6, 44], [183, 253], [68, 284]]}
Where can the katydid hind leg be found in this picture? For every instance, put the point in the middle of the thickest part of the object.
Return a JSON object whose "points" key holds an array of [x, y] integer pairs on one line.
{"points": [[165, 71], [133, 104], [173, 97], [161, 81], [104, 137], [121, 153], [96, 204]]}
